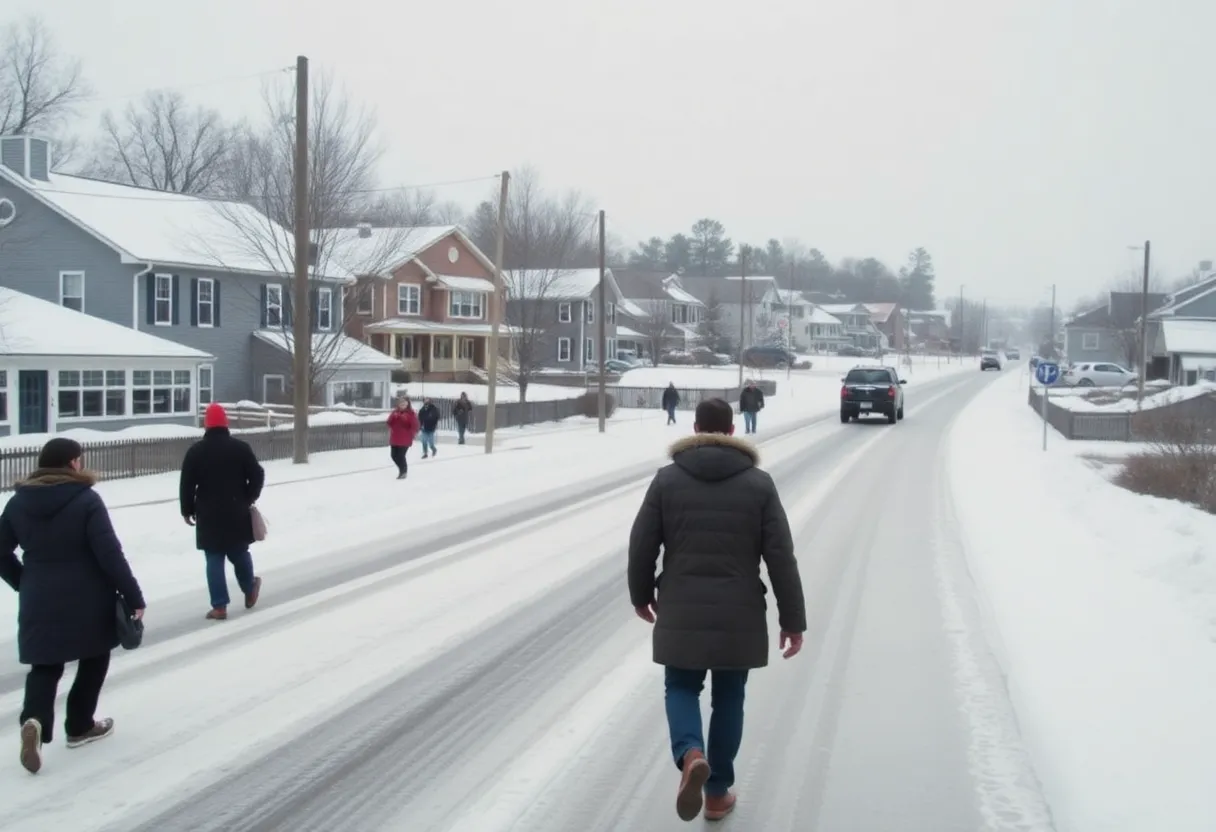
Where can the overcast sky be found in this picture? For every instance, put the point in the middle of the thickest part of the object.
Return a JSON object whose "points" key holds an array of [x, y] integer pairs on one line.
{"points": [[1023, 142]]}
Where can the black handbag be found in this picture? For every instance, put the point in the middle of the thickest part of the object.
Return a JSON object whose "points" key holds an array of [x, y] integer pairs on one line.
{"points": [[130, 628]]}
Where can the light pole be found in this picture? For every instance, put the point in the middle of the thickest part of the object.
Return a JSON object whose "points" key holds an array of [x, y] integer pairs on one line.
{"points": [[1142, 373]]}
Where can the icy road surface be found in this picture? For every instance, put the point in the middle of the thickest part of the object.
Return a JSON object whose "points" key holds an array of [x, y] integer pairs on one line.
{"points": [[497, 679]]}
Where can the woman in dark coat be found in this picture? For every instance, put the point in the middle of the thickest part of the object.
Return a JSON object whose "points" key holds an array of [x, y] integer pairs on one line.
{"points": [[67, 580]]}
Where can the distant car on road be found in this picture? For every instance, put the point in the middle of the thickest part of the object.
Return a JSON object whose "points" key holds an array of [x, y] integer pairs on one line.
{"points": [[990, 360], [1013, 354], [869, 390], [768, 357]]}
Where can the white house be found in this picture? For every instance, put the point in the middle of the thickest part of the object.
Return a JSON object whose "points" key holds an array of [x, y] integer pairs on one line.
{"points": [[62, 369]]}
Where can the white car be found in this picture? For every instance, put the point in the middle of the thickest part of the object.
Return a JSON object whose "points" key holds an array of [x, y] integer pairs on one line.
{"points": [[1097, 374]]}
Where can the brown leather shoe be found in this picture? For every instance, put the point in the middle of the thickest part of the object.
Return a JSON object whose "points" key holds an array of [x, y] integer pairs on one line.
{"points": [[719, 806], [251, 598], [217, 614], [694, 773]]}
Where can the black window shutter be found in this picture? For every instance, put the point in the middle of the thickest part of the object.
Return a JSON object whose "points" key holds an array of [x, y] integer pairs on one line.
{"points": [[194, 301], [177, 299], [313, 303], [215, 303], [286, 295], [264, 322], [151, 300]]}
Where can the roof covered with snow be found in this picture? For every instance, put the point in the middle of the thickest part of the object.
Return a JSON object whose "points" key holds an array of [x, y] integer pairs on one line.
{"points": [[421, 326], [465, 284], [32, 326], [880, 312], [821, 316], [336, 351], [384, 249], [845, 309], [1190, 336], [147, 226], [556, 284]]}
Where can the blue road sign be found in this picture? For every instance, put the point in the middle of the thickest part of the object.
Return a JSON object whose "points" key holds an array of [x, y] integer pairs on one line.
{"points": [[1046, 373]]}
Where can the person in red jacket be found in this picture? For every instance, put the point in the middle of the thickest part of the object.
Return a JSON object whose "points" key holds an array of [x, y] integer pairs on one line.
{"points": [[402, 428]]}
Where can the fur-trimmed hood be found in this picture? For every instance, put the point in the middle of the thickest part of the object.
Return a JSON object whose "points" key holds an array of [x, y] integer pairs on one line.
{"points": [[713, 457], [47, 491], [59, 476]]}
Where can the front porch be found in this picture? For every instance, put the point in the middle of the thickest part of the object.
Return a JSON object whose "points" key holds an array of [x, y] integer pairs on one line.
{"points": [[443, 355]]}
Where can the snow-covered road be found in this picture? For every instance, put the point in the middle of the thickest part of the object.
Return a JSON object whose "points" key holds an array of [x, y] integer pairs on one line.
{"points": [[495, 678]]}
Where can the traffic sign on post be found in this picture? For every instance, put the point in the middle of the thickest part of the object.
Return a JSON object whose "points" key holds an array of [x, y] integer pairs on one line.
{"points": [[1047, 373]]}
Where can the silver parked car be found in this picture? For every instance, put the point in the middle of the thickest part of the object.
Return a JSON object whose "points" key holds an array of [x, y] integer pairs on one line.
{"points": [[1097, 374]]}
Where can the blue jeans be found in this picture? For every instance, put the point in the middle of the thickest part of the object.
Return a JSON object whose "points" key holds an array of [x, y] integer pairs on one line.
{"points": [[461, 426], [671, 415], [725, 723], [217, 577], [428, 441], [749, 422]]}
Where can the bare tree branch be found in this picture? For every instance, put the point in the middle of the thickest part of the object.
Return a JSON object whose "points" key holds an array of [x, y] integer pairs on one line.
{"points": [[656, 328], [39, 88], [162, 143]]}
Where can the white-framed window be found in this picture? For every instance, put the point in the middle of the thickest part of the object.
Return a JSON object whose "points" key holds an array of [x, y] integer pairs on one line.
{"points": [[274, 388], [71, 290], [465, 305], [406, 347], [680, 314], [273, 313], [563, 349], [92, 394], [589, 311], [204, 304], [441, 347], [588, 350], [1090, 341], [610, 313], [563, 313], [409, 299], [162, 300], [3, 396], [367, 394], [325, 309], [206, 384], [363, 299], [466, 349], [159, 392]]}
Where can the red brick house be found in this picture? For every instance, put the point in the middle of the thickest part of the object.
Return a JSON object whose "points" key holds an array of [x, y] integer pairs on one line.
{"points": [[423, 296]]}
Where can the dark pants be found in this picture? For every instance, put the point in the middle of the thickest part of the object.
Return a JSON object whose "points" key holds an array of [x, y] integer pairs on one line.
{"points": [[397, 452], [42, 685], [461, 426], [217, 576], [749, 421], [725, 722], [671, 414]]}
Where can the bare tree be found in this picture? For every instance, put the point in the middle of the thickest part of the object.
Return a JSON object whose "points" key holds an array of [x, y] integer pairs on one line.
{"points": [[39, 88], [656, 327], [1132, 282], [164, 144], [260, 209]]}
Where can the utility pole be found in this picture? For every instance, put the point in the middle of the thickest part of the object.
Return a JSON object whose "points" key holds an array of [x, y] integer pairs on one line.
{"points": [[1051, 324], [496, 310], [602, 319], [984, 325], [301, 352], [742, 307], [961, 329], [1143, 328], [789, 325]]}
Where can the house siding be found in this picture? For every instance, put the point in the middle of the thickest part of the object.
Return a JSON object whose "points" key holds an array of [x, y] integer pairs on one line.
{"points": [[1110, 346], [1203, 306], [577, 330]]}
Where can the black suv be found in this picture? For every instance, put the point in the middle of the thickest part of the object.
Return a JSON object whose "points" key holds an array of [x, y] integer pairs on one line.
{"points": [[868, 390], [768, 357]]}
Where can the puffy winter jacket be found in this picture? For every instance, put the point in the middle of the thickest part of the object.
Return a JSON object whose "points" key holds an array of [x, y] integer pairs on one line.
{"points": [[402, 427]]}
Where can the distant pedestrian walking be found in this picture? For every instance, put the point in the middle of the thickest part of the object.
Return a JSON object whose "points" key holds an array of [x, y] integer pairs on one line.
{"points": [[68, 581], [428, 423], [220, 483], [715, 516], [671, 400], [461, 411], [402, 428], [751, 402]]}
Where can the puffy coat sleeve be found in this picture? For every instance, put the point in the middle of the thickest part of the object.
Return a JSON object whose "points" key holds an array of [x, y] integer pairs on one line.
{"points": [[645, 541], [188, 486], [10, 565], [777, 548], [108, 551], [255, 475]]}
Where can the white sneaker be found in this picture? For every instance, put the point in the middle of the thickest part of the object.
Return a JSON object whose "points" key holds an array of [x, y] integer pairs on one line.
{"points": [[31, 746]]}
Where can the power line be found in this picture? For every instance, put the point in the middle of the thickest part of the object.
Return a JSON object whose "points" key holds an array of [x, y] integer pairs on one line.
{"points": [[231, 79]]}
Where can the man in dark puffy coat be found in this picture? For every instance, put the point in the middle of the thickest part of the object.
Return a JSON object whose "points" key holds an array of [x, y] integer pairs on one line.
{"points": [[68, 580], [751, 402], [715, 516], [671, 400], [221, 480], [428, 423]]}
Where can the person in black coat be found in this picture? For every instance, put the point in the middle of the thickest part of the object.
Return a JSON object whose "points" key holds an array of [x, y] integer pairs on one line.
{"points": [[221, 480], [68, 579], [751, 402], [428, 423], [715, 516], [671, 400], [461, 412]]}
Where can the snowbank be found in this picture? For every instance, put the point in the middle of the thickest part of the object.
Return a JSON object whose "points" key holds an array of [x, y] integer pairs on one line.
{"points": [[478, 393], [1077, 399], [1103, 609]]}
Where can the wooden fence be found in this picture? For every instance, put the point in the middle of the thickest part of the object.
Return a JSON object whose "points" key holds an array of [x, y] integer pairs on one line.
{"points": [[1193, 417]]}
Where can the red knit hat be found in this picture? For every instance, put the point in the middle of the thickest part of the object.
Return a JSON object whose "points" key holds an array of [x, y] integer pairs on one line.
{"points": [[215, 416]]}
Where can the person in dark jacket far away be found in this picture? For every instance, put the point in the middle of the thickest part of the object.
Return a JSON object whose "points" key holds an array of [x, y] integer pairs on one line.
{"points": [[428, 423], [221, 480], [402, 428], [671, 400], [751, 402], [71, 572], [461, 411], [715, 515]]}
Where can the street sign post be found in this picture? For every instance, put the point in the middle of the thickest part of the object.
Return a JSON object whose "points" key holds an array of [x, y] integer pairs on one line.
{"points": [[1046, 374]]}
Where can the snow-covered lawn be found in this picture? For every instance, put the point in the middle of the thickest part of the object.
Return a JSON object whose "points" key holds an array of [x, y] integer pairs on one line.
{"points": [[1110, 400], [1102, 605], [478, 393]]}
